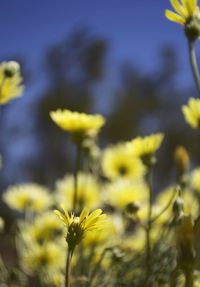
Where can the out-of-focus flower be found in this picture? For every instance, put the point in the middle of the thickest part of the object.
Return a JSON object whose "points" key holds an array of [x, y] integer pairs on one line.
{"points": [[145, 147], [123, 191], [88, 191], [76, 122], [10, 81], [195, 178], [184, 11], [190, 201], [78, 226], [192, 112], [182, 160], [117, 162], [45, 227], [48, 257], [28, 196]]}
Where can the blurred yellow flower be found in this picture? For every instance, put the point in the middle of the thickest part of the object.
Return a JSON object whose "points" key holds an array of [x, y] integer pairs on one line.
{"points": [[191, 204], [32, 196], [184, 10], [117, 162], [88, 191], [10, 81], [49, 257], [45, 227], [146, 146], [124, 191], [76, 122], [195, 179], [192, 112], [78, 226]]}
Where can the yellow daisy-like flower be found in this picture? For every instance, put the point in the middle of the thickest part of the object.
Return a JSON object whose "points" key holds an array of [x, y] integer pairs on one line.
{"points": [[10, 81], [146, 146], [195, 178], [184, 10], [45, 227], [88, 191], [49, 256], [117, 162], [123, 191], [78, 226], [31, 196], [192, 112], [76, 122]]}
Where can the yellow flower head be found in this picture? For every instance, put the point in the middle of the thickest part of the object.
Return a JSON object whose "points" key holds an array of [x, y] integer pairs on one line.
{"points": [[45, 227], [192, 112], [117, 162], [195, 178], [75, 122], [145, 147], [49, 256], [31, 196], [184, 10], [88, 191], [78, 226], [123, 191], [10, 81]]}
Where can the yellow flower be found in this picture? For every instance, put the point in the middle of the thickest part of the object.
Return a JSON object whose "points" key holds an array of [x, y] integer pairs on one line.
{"points": [[45, 227], [10, 81], [146, 146], [88, 191], [31, 196], [117, 162], [184, 10], [190, 201], [192, 112], [76, 122], [124, 191], [78, 226], [195, 178], [49, 257]]}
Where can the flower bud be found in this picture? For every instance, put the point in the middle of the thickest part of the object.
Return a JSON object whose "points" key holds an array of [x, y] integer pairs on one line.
{"points": [[75, 233], [192, 26], [11, 69], [181, 159], [178, 206]]}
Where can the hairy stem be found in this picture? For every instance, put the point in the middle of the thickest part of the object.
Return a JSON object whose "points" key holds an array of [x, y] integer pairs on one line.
{"points": [[193, 62]]}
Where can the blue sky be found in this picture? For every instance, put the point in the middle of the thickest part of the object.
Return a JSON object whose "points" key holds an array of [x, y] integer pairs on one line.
{"points": [[135, 29]]}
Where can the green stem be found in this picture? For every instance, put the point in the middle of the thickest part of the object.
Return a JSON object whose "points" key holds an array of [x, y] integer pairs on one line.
{"points": [[193, 61], [189, 279], [148, 231], [77, 167], [68, 268]]}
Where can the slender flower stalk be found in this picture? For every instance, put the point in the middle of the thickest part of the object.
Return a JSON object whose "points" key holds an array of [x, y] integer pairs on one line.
{"points": [[149, 225], [68, 268], [194, 65], [76, 171]]}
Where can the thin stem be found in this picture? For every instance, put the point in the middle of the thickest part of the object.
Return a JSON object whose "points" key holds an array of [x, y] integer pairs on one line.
{"points": [[68, 268], [188, 279], [77, 167], [193, 62], [148, 230]]}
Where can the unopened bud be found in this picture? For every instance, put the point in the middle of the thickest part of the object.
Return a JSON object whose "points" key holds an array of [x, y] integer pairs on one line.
{"points": [[178, 206], [11, 69], [181, 159]]}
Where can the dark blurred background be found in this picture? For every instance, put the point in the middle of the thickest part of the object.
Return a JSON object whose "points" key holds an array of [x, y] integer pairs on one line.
{"points": [[122, 59]]}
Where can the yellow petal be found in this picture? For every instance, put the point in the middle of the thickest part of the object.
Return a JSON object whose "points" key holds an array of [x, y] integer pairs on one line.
{"points": [[66, 213], [174, 17], [84, 214], [178, 7], [92, 217], [63, 218]]}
